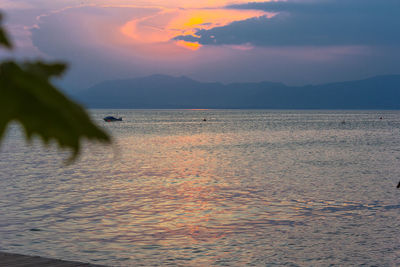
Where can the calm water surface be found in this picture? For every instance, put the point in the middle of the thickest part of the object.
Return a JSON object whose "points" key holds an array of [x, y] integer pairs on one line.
{"points": [[243, 188]]}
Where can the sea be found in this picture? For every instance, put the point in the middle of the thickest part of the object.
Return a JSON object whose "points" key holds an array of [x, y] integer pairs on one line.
{"points": [[240, 188]]}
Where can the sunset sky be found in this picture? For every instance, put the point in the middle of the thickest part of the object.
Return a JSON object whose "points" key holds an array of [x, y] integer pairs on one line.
{"points": [[296, 41]]}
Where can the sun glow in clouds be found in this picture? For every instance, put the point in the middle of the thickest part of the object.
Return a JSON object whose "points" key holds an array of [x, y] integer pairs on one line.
{"points": [[189, 45], [163, 20], [167, 24]]}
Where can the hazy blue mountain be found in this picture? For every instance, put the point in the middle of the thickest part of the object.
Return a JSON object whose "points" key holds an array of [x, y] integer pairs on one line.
{"points": [[162, 91]]}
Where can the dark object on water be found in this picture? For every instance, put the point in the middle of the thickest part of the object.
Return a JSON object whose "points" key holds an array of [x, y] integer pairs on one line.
{"points": [[111, 118], [11, 259], [35, 230], [343, 122], [204, 119], [398, 186], [380, 118]]}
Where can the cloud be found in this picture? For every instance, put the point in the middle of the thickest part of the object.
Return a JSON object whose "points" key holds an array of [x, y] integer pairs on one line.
{"points": [[92, 41], [14, 4], [310, 23]]}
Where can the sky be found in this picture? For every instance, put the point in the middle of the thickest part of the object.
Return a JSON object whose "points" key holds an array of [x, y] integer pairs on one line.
{"points": [[296, 42]]}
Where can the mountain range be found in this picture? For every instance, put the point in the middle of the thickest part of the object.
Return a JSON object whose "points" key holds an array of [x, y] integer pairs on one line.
{"points": [[162, 91]]}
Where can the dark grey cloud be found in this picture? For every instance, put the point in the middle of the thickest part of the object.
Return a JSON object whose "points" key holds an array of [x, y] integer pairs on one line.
{"points": [[311, 23]]}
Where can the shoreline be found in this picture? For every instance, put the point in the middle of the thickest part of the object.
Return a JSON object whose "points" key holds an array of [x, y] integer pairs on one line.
{"points": [[17, 260]]}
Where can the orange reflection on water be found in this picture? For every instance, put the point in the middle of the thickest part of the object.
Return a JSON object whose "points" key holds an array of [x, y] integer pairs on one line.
{"points": [[184, 194], [186, 200]]}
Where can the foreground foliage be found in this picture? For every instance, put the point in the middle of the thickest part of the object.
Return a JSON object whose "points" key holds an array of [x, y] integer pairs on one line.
{"points": [[28, 97]]}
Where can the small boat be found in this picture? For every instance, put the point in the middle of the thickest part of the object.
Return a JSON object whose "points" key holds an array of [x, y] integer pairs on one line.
{"points": [[111, 118]]}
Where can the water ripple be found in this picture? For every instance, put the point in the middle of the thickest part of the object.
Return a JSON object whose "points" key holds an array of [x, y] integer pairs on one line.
{"points": [[246, 188]]}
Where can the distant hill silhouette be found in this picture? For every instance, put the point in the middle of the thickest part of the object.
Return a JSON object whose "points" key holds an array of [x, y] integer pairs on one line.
{"points": [[162, 91]]}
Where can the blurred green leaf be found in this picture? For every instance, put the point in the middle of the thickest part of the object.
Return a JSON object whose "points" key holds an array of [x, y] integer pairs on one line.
{"points": [[27, 96], [4, 41]]}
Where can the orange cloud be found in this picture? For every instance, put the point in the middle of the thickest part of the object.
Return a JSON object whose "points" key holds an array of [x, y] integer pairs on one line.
{"points": [[168, 23], [189, 45]]}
